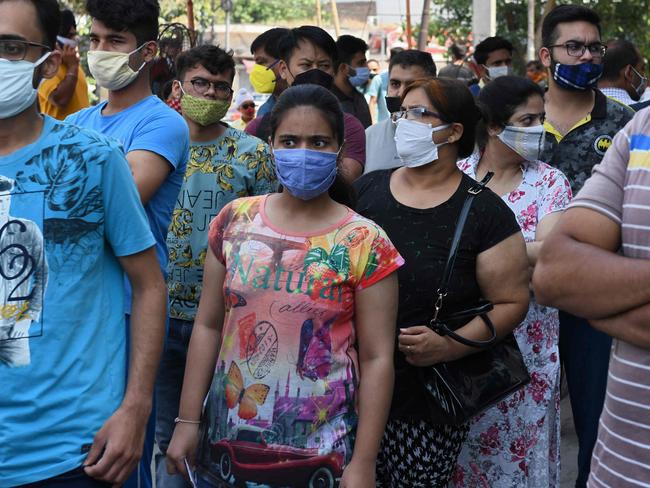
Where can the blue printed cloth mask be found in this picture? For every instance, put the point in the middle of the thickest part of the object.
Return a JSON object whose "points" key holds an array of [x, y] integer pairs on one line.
{"points": [[305, 173], [581, 77]]}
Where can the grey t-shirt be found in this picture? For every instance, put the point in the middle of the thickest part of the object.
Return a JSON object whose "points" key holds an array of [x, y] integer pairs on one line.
{"points": [[380, 147]]}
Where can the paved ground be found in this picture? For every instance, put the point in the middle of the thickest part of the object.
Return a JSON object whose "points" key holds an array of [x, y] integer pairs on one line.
{"points": [[568, 447]]}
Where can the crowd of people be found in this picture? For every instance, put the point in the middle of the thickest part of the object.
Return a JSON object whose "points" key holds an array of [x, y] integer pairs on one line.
{"points": [[260, 303]]}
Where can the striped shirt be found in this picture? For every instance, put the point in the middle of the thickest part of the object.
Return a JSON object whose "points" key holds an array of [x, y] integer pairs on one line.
{"points": [[620, 189]]}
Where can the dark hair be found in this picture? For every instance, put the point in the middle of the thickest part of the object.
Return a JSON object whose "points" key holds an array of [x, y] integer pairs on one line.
{"points": [[562, 14], [139, 17], [499, 99], [212, 58], [67, 23], [413, 57], [166, 90], [619, 54], [455, 104], [457, 51], [312, 34], [49, 19], [269, 41], [347, 46], [322, 100], [394, 51], [535, 64], [488, 46]]}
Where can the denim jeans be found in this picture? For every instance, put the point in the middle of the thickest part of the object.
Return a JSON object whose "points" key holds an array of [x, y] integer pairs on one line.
{"points": [[584, 352], [77, 478], [168, 395]]}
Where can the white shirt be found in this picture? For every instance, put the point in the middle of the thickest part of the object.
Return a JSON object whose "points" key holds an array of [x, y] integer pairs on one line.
{"points": [[619, 95]]}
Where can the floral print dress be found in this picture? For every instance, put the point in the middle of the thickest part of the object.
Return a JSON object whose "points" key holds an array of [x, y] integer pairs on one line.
{"points": [[516, 443]]}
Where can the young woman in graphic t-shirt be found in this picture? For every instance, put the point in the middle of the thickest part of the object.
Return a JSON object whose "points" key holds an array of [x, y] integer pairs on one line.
{"points": [[418, 206], [294, 336]]}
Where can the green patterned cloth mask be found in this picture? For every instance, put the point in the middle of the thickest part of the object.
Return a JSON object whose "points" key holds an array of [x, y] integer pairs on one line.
{"points": [[204, 111]]}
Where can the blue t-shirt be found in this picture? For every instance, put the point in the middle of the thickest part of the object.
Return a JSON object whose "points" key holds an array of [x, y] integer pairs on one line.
{"points": [[68, 207], [267, 106], [149, 125]]}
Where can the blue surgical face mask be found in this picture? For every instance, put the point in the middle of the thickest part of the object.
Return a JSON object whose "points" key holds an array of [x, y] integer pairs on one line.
{"points": [[305, 173], [361, 77], [579, 77]]}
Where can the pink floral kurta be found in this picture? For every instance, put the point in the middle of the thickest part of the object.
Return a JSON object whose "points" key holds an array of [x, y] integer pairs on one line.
{"points": [[516, 443]]}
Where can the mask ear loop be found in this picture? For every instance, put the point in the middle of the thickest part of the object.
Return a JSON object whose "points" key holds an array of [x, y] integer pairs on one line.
{"points": [[135, 51]]}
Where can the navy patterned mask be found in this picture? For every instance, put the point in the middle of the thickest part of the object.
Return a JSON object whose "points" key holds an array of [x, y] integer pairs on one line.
{"points": [[577, 76]]}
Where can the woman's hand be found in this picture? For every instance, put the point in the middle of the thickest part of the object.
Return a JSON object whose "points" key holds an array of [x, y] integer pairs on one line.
{"points": [[358, 475], [423, 347], [182, 446]]}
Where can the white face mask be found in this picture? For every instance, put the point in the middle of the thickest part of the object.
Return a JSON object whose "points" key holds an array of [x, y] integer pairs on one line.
{"points": [[498, 71], [111, 69], [17, 92], [525, 141], [414, 142]]}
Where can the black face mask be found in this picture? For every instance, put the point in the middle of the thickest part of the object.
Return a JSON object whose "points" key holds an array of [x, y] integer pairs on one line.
{"points": [[372, 75], [314, 77], [393, 104]]}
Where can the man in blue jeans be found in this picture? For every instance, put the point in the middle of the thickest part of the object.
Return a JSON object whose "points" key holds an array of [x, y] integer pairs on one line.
{"points": [[225, 164]]}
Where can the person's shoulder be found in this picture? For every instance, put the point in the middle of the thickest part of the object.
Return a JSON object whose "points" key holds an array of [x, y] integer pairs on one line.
{"points": [[618, 111], [379, 129], [245, 141], [367, 180], [154, 108], [352, 124], [69, 133], [82, 116]]}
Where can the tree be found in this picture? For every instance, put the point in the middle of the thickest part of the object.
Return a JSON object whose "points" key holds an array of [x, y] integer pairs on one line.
{"points": [[628, 19]]}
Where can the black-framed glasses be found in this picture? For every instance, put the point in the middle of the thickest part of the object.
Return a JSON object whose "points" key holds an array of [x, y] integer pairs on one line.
{"points": [[201, 86], [16, 49], [577, 49], [415, 113], [246, 106]]}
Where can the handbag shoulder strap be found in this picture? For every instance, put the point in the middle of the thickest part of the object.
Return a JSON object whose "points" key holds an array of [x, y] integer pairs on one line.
{"points": [[455, 242]]}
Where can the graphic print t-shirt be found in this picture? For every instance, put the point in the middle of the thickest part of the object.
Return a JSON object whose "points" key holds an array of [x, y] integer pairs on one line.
{"points": [[234, 165], [286, 376], [68, 207]]}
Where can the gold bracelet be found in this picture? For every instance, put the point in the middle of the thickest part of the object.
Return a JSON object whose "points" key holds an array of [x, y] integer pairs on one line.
{"points": [[179, 420]]}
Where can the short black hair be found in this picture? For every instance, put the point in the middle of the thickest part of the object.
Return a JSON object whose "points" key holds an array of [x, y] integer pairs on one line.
{"points": [[327, 104], [413, 57], [49, 19], [139, 17], [212, 58], [6, 184], [312, 34], [269, 40], [562, 14], [67, 22], [488, 46], [394, 51], [499, 99], [457, 51], [455, 103], [619, 54], [347, 46]]}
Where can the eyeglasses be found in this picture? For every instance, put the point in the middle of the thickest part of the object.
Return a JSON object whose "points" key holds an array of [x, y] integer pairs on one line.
{"points": [[415, 113], [577, 49], [246, 106], [201, 86], [16, 50]]}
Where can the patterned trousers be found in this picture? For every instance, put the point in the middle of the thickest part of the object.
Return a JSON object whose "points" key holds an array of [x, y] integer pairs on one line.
{"points": [[414, 453]]}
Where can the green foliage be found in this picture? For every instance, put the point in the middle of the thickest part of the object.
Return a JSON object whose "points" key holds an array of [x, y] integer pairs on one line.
{"points": [[628, 19]]}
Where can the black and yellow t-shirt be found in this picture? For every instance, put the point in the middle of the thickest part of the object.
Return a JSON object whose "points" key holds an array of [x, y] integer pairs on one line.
{"points": [[576, 153]]}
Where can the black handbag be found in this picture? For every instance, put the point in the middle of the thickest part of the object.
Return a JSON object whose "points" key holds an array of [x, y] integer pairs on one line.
{"points": [[461, 389]]}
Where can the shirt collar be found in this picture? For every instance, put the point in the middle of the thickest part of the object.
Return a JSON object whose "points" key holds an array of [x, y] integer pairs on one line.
{"points": [[618, 94]]}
